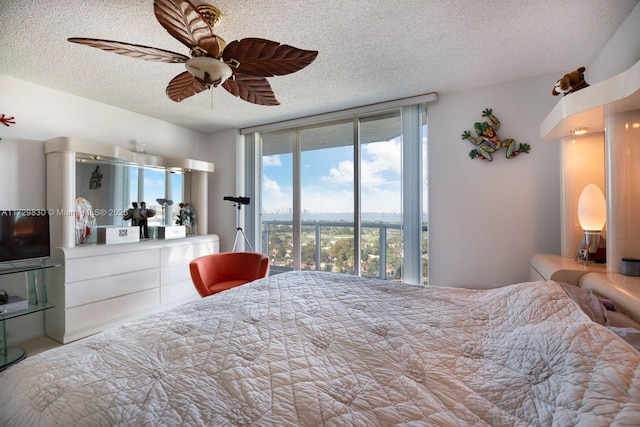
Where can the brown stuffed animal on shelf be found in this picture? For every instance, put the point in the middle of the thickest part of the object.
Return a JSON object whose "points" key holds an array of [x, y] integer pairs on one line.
{"points": [[570, 82]]}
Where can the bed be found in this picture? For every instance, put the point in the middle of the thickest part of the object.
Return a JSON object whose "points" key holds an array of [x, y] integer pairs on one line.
{"points": [[322, 349]]}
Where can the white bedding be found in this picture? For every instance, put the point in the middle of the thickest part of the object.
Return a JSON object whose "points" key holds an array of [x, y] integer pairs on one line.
{"points": [[310, 349]]}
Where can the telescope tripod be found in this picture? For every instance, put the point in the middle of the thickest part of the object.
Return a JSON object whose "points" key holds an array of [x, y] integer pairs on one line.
{"points": [[239, 230]]}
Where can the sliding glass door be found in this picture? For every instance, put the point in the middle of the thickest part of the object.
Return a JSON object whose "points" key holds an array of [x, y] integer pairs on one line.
{"points": [[276, 197], [327, 198], [380, 139], [336, 197]]}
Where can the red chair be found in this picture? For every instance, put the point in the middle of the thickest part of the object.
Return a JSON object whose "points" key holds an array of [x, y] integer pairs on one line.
{"points": [[218, 272]]}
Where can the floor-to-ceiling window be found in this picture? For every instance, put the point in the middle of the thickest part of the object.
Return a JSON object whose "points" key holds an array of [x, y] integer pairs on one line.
{"points": [[380, 140], [346, 196], [425, 200], [327, 198], [276, 197]]}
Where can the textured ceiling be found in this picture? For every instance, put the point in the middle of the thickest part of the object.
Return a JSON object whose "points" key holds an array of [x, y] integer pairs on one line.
{"points": [[369, 50]]}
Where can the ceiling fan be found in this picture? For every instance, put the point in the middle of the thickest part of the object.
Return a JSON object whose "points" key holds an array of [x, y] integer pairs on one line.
{"points": [[241, 67]]}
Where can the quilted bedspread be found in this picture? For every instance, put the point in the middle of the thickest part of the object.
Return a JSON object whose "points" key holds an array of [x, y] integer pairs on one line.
{"points": [[321, 349]]}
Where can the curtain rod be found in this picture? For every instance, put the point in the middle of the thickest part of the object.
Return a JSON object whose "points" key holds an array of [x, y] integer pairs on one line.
{"points": [[369, 108]]}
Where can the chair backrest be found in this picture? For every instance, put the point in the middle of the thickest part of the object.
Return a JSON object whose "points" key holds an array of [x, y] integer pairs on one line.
{"points": [[243, 267]]}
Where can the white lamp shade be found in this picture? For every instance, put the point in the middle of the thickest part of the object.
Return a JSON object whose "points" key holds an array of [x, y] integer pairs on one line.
{"points": [[592, 209], [210, 70]]}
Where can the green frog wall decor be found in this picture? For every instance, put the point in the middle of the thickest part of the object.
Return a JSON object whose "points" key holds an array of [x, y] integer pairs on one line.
{"points": [[488, 142]]}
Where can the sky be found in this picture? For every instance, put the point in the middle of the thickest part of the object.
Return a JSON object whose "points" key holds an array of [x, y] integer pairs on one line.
{"points": [[327, 179]]}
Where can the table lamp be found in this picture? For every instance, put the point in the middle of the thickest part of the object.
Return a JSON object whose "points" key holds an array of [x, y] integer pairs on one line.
{"points": [[592, 215]]}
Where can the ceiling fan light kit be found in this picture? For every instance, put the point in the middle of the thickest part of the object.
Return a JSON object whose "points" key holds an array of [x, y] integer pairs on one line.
{"points": [[241, 67], [211, 71]]}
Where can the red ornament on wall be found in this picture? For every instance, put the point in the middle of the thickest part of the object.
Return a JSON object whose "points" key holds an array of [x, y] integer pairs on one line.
{"points": [[7, 121]]}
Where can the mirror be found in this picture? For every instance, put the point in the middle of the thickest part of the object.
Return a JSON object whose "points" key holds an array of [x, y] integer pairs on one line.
{"points": [[110, 178], [112, 187]]}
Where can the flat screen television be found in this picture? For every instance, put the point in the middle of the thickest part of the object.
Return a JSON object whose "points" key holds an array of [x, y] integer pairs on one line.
{"points": [[24, 235]]}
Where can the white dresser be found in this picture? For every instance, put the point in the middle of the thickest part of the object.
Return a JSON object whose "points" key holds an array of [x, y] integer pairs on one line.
{"points": [[101, 286]]}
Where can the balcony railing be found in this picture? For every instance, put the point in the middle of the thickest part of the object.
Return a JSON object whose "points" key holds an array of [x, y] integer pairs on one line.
{"points": [[276, 227]]}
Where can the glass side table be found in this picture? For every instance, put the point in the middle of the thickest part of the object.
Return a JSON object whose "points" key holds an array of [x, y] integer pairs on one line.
{"points": [[35, 292]]}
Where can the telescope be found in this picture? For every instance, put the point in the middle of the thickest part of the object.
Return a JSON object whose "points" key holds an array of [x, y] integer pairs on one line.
{"points": [[240, 200]]}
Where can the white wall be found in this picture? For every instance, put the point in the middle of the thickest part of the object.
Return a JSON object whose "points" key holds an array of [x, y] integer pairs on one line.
{"points": [[620, 53], [487, 219], [42, 113], [223, 151]]}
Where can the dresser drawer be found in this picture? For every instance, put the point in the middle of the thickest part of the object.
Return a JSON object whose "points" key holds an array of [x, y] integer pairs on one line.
{"points": [[87, 291], [78, 269]]}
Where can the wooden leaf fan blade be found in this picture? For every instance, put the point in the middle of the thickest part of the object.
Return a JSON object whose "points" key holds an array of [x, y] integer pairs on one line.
{"points": [[133, 50], [256, 90], [266, 58], [183, 21], [183, 86]]}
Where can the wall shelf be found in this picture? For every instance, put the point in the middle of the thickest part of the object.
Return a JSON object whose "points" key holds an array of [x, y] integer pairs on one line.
{"points": [[589, 106], [561, 269], [607, 156], [22, 266]]}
